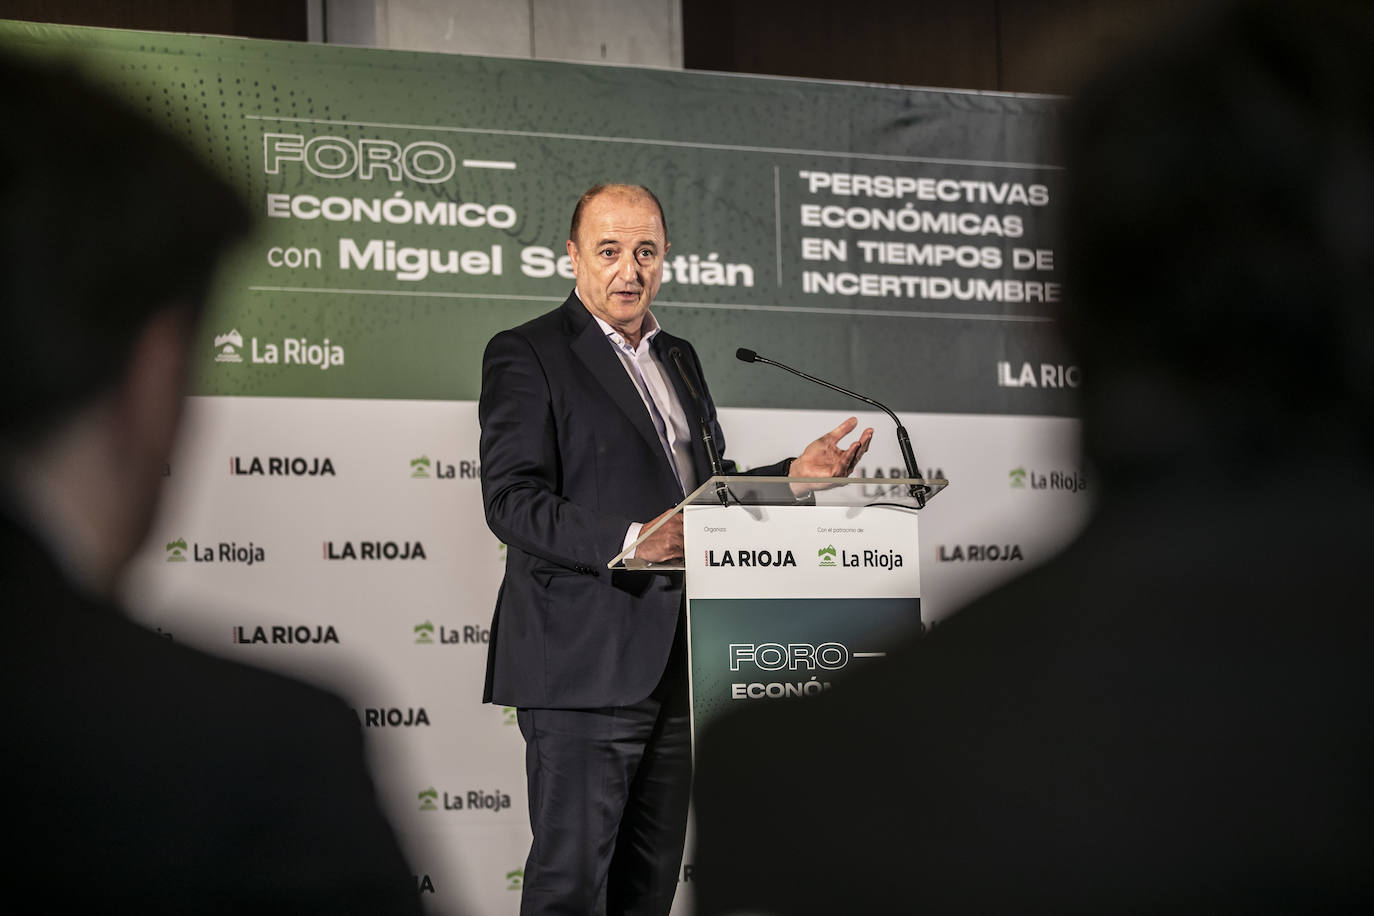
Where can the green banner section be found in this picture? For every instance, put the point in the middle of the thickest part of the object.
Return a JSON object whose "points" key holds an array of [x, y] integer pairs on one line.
{"points": [[897, 241], [760, 650]]}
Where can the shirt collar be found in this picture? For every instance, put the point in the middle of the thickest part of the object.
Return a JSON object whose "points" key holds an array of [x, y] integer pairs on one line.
{"points": [[650, 327]]}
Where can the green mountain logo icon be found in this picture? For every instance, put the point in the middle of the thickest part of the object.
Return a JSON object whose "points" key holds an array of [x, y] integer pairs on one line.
{"points": [[1018, 478], [176, 551], [419, 467], [827, 555], [428, 798], [227, 347], [424, 634]]}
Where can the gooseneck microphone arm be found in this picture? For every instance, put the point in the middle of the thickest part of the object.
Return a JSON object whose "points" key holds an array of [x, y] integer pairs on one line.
{"points": [[918, 491], [712, 454]]}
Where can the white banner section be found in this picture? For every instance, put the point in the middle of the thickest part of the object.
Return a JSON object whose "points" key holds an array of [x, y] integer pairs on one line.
{"points": [[801, 552]]}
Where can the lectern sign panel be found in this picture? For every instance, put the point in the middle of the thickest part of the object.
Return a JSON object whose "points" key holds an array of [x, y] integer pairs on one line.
{"points": [[784, 601], [801, 552]]}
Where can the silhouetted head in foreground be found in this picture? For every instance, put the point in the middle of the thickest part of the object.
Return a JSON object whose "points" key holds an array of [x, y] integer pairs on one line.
{"points": [[109, 230], [1219, 243]]}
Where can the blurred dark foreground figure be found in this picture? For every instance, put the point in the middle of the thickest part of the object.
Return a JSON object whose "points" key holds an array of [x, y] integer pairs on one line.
{"points": [[1175, 713], [144, 777]]}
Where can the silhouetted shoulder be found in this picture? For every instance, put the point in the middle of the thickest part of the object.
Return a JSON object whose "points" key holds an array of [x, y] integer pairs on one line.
{"points": [[175, 781]]}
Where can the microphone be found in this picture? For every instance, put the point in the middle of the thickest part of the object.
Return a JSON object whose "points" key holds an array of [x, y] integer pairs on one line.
{"points": [[707, 439], [918, 491]]}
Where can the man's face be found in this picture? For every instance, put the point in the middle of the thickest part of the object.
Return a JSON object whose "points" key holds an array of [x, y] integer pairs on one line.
{"points": [[618, 258]]}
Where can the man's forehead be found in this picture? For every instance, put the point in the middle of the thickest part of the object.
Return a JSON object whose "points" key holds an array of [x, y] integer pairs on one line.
{"points": [[616, 217]]}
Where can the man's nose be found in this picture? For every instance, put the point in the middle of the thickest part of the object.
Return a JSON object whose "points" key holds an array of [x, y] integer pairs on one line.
{"points": [[628, 268]]}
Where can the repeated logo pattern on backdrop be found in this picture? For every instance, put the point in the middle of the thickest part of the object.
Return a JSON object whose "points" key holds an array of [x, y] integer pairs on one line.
{"points": [[411, 205]]}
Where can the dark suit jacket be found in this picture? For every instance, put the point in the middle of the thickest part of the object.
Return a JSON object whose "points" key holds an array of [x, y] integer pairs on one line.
{"points": [[570, 458], [1176, 714], [146, 777]]}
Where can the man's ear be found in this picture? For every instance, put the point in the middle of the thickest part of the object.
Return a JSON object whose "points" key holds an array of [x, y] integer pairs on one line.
{"points": [[571, 247]]}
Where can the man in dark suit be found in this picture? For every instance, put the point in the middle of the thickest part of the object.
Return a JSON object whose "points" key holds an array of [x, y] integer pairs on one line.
{"points": [[587, 437], [144, 777], [1175, 713]]}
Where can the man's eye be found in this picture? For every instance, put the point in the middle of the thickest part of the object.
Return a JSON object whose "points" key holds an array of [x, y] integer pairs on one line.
{"points": [[645, 254]]}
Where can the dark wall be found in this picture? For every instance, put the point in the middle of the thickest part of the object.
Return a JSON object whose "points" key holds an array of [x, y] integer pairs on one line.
{"points": [[1003, 45], [914, 42], [281, 19]]}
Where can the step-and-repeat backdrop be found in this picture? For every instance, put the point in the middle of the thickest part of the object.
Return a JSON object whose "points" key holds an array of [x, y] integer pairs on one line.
{"points": [[323, 512]]}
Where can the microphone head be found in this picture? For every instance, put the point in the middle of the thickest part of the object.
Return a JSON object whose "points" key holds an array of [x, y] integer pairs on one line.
{"points": [[675, 352], [745, 355]]}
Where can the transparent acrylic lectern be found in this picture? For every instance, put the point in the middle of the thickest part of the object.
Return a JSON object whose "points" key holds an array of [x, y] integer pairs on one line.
{"points": [[745, 491]]}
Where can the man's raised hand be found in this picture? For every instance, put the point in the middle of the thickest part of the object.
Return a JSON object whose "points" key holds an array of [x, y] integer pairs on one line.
{"points": [[825, 458]]}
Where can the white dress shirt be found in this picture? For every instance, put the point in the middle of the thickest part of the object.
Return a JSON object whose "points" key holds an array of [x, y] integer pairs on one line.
{"points": [[651, 380]]}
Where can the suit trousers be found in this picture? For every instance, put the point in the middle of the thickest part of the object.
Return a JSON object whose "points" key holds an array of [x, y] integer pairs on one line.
{"points": [[609, 790]]}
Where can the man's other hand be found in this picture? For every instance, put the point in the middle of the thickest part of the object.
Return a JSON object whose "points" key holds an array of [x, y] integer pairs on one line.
{"points": [[665, 543]]}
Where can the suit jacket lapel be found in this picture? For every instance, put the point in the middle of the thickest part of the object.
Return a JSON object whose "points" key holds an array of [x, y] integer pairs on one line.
{"points": [[596, 353]]}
